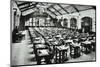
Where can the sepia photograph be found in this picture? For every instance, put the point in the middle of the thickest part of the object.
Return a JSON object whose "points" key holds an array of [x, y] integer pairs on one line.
{"points": [[44, 33]]}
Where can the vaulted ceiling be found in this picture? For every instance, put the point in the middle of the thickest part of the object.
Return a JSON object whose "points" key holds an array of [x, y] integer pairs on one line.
{"points": [[53, 9]]}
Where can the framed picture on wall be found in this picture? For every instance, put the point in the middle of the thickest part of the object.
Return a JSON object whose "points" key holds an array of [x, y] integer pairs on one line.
{"points": [[52, 33]]}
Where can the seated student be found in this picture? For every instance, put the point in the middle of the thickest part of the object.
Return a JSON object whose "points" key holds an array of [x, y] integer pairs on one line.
{"points": [[46, 53], [94, 38], [68, 42], [75, 43], [75, 49], [61, 42]]}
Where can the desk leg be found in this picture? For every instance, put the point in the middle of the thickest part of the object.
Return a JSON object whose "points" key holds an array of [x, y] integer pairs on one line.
{"points": [[62, 56], [59, 56], [38, 60], [56, 56]]}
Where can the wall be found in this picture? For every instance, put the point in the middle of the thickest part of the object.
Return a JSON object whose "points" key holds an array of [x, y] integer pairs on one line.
{"points": [[17, 17], [79, 16]]}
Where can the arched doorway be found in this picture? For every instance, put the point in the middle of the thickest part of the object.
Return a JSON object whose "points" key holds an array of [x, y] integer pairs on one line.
{"points": [[73, 23], [86, 24]]}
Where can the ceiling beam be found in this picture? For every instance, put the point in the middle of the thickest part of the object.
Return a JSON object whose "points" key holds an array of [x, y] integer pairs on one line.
{"points": [[56, 10], [17, 5], [42, 4], [23, 4], [94, 7], [51, 6], [51, 11], [49, 15], [29, 7], [75, 8], [63, 8], [82, 10]]}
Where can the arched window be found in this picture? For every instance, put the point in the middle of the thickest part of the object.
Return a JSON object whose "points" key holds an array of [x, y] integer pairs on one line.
{"points": [[86, 24], [73, 23], [65, 22]]}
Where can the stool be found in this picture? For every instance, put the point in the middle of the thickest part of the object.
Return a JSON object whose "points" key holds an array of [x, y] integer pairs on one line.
{"points": [[74, 51], [86, 48], [61, 55], [93, 44]]}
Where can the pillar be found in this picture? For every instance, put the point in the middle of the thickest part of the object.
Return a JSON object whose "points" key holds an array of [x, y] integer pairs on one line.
{"points": [[79, 22], [68, 23]]}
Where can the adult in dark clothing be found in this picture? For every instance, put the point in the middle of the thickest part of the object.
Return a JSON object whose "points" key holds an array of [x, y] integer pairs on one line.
{"points": [[55, 21], [14, 35], [65, 22], [59, 22]]}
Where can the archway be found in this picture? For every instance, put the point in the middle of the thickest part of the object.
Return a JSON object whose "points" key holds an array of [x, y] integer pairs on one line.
{"points": [[86, 24]]}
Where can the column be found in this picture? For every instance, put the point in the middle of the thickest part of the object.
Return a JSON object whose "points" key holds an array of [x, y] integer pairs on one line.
{"points": [[68, 23], [93, 24], [79, 22]]}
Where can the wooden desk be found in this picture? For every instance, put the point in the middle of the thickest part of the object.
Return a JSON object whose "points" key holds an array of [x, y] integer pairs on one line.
{"points": [[93, 44], [62, 51], [43, 54], [86, 42], [82, 39], [68, 41], [39, 46], [50, 40], [38, 41]]}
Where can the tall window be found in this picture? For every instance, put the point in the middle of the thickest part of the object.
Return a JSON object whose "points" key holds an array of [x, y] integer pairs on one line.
{"points": [[73, 23], [86, 24]]}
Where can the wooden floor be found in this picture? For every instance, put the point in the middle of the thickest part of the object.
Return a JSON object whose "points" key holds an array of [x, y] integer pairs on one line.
{"points": [[22, 53]]}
